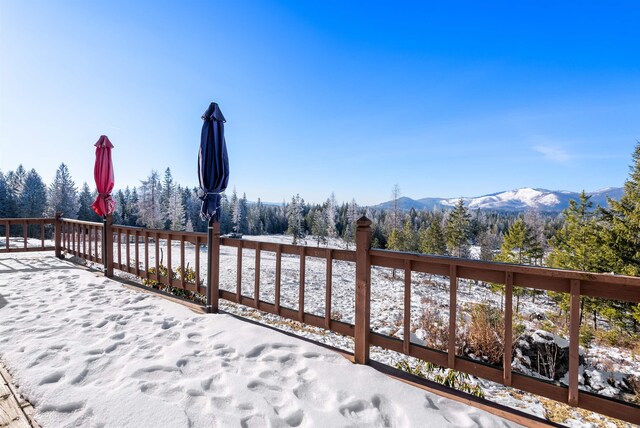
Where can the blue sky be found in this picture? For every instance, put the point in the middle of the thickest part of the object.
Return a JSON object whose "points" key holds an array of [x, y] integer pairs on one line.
{"points": [[454, 99]]}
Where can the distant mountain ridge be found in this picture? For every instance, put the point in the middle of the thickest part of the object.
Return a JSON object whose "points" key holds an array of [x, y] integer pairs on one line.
{"points": [[511, 200]]}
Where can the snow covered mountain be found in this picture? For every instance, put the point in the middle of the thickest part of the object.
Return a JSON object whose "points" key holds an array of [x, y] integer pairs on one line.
{"points": [[511, 200]]}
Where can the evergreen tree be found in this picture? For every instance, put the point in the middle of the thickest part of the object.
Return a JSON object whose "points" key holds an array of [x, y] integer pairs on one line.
{"points": [[409, 238], [579, 246], [295, 215], [85, 200], [519, 246], [330, 213], [457, 230], [175, 211], [395, 201], [4, 197], [63, 195], [15, 181], [166, 198], [622, 232], [149, 209], [244, 211], [351, 218], [319, 228], [132, 212], [431, 240], [33, 198]]}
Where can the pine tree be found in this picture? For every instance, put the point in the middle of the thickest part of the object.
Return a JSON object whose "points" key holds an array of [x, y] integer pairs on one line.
{"points": [[409, 238], [295, 215], [579, 246], [149, 209], [132, 212], [166, 198], [622, 234], [330, 213], [33, 198], [85, 200], [244, 211], [395, 201], [351, 218], [457, 230], [63, 195], [320, 229], [520, 247], [431, 239], [4, 197], [175, 211], [295, 219]]}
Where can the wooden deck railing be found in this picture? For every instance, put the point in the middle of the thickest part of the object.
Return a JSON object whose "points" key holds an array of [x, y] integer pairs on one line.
{"points": [[81, 239], [31, 231]]}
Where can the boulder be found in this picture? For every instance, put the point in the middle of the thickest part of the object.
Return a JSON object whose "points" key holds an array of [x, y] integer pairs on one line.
{"points": [[543, 353]]}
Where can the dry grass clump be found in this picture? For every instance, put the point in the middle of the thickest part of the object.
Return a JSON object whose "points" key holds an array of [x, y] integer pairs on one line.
{"points": [[484, 336]]}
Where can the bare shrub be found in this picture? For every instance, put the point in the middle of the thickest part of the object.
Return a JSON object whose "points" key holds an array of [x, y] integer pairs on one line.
{"points": [[483, 337], [434, 324]]}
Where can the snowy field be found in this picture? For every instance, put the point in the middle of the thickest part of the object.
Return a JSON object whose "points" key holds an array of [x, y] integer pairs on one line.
{"points": [[87, 351]]}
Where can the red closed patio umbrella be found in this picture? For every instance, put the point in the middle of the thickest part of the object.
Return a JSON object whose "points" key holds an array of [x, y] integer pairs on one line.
{"points": [[104, 204]]}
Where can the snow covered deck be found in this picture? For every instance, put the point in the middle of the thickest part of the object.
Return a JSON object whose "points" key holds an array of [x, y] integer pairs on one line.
{"points": [[87, 351]]}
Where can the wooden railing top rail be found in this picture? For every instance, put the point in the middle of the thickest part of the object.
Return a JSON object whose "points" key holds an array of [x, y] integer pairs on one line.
{"points": [[31, 220], [84, 222], [608, 286]]}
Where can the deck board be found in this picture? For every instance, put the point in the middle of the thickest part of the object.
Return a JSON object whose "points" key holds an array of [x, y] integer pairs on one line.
{"points": [[15, 411]]}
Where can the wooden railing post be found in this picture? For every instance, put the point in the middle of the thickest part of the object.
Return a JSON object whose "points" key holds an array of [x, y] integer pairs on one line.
{"points": [[363, 291], [107, 246], [213, 267], [57, 236]]}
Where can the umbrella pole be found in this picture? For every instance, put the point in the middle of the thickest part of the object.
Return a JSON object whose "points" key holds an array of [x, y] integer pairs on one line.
{"points": [[104, 243], [213, 266]]}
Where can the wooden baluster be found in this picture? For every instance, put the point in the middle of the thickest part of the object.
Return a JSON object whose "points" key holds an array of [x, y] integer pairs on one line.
{"points": [[197, 267], [453, 288], [119, 249], [574, 341], [136, 251], [25, 230], [406, 336], [327, 298], [278, 276], [239, 274], [169, 267], [303, 261], [83, 228], [156, 240], [42, 234], [89, 233], [256, 285], [182, 270], [127, 251], [508, 329], [7, 229], [146, 254]]}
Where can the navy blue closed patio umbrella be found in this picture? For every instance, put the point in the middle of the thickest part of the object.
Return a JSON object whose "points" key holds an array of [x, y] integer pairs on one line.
{"points": [[213, 173]]}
